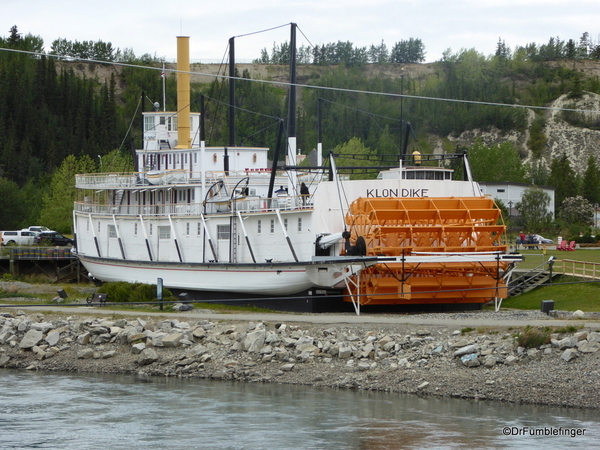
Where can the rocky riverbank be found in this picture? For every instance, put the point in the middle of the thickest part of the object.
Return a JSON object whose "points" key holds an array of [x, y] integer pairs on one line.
{"points": [[482, 363]]}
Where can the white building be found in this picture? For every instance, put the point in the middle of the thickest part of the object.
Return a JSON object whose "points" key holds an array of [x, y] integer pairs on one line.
{"points": [[511, 193]]}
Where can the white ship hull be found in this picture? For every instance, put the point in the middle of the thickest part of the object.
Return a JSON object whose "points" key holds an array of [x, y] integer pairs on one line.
{"points": [[252, 279]]}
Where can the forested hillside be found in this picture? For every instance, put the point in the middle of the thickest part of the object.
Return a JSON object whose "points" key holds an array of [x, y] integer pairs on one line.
{"points": [[52, 108]]}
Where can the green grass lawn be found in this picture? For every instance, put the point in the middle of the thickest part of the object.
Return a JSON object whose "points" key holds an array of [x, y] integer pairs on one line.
{"points": [[533, 258], [568, 293]]}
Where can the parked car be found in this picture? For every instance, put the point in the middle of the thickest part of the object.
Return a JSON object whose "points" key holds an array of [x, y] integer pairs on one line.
{"points": [[21, 237], [38, 229], [542, 240], [52, 238]]}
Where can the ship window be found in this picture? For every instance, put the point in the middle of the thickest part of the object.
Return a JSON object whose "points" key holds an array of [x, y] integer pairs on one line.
{"points": [[172, 123], [112, 232], [299, 224], [199, 229], [88, 226], [98, 227], [222, 232], [148, 123], [186, 155], [259, 227], [500, 190], [195, 157], [272, 226], [135, 229], [285, 222], [150, 229], [164, 232], [187, 229], [170, 159]]}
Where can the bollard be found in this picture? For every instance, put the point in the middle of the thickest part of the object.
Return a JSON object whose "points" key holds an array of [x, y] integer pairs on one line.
{"points": [[159, 289]]}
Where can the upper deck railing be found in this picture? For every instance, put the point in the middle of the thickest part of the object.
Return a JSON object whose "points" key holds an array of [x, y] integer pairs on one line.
{"points": [[162, 178], [215, 206]]}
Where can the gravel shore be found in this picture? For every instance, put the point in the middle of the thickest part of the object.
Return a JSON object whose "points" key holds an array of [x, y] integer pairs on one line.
{"points": [[478, 362]]}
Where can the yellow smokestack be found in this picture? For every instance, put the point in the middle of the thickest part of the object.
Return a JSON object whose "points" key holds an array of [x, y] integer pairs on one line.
{"points": [[183, 92]]}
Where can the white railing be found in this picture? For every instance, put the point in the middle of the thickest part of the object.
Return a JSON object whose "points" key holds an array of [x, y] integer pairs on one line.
{"points": [[244, 206], [164, 178], [107, 180]]}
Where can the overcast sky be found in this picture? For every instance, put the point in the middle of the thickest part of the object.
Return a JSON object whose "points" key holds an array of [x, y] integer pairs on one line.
{"points": [[151, 26]]}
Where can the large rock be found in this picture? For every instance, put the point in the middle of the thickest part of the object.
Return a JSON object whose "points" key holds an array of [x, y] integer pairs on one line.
{"points": [[147, 356], [593, 336], [470, 360], [84, 339], [31, 338], [304, 340], [345, 352], [5, 334], [366, 351], [172, 340], [466, 350], [569, 354], [588, 347], [568, 342], [42, 326], [53, 337], [86, 353], [136, 349], [254, 341]]}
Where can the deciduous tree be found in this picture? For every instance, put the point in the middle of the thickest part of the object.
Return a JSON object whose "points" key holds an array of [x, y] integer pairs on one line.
{"points": [[533, 208]]}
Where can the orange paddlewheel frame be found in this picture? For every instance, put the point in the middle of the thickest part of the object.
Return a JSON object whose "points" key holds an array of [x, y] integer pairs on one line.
{"points": [[433, 229]]}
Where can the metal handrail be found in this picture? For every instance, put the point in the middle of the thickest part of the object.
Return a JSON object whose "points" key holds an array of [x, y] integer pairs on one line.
{"points": [[524, 278]]}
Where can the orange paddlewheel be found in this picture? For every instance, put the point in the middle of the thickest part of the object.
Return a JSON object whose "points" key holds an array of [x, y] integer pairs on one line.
{"points": [[446, 250]]}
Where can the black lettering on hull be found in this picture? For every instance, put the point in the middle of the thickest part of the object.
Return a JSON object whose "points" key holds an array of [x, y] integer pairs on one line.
{"points": [[389, 193]]}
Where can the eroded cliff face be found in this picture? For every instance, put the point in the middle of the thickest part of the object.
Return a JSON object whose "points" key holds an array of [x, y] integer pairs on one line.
{"points": [[577, 142]]}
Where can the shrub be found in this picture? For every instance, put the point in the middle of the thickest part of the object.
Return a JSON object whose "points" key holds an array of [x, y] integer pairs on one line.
{"points": [[147, 293], [123, 292], [534, 337]]}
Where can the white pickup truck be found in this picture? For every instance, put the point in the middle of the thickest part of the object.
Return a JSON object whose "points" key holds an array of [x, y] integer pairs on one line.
{"points": [[21, 237]]}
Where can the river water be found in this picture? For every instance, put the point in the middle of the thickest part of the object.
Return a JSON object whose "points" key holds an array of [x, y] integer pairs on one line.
{"points": [[78, 411]]}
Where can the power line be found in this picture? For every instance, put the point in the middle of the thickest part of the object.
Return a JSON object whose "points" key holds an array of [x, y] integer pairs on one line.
{"points": [[323, 88]]}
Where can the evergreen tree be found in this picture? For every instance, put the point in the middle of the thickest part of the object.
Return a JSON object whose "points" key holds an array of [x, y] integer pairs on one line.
{"points": [[13, 211], [590, 188], [563, 178]]}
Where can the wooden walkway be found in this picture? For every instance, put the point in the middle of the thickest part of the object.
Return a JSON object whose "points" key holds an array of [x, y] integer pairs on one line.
{"points": [[582, 269], [55, 263]]}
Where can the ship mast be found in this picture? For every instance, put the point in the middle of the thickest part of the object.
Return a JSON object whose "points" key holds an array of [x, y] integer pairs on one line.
{"points": [[292, 175]]}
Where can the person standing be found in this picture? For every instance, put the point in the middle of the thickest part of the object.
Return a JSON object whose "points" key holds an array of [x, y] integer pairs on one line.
{"points": [[522, 237], [304, 192]]}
